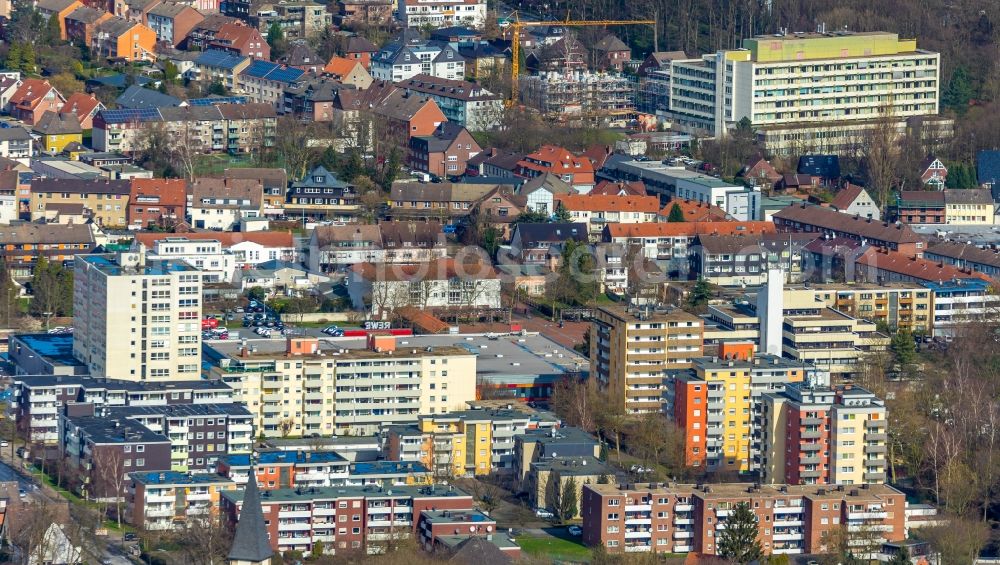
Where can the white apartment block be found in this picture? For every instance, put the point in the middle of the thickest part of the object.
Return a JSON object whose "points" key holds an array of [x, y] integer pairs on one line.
{"points": [[442, 13], [302, 390], [805, 91], [401, 61], [208, 256], [137, 319]]}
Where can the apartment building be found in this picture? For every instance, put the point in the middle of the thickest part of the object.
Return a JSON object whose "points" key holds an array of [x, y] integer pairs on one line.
{"points": [[417, 14], [737, 260], [900, 305], [462, 443], [547, 444], [99, 454], [137, 319], [17, 144], [166, 500], [824, 221], [294, 388], [815, 435], [411, 55], [38, 399], [967, 207], [717, 402], [223, 204], [465, 103], [598, 211], [675, 518], [548, 477], [575, 170], [964, 256], [287, 469], [345, 519], [199, 433], [22, 245], [321, 195], [806, 91], [465, 535], [630, 350], [105, 200], [961, 300], [248, 249]]}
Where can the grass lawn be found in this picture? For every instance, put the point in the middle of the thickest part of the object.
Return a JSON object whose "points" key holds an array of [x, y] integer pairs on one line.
{"points": [[554, 548]]}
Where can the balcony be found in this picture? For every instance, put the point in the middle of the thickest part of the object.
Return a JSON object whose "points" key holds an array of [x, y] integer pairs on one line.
{"points": [[788, 523], [680, 548], [638, 521], [867, 515], [788, 509], [875, 424], [638, 508], [684, 507], [294, 527], [809, 459], [683, 521], [811, 434], [880, 477], [876, 437], [296, 514], [788, 536], [879, 449], [638, 534], [159, 513], [683, 534]]}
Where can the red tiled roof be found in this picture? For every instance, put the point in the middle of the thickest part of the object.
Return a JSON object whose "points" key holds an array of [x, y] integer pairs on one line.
{"points": [[228, 239], [695, 211], [607, 187], [846, 197], [916, 267], [561, 161], [677, 229], [81, 104], [339, 66], [827, 219], [614, 203], [30, 93], [172, 192]]}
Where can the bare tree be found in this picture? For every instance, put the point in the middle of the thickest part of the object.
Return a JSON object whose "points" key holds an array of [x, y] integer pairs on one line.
{"points": [[881, 156], [206, 539]]}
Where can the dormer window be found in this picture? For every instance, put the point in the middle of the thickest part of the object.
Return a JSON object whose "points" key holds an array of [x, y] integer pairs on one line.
{"points": [[317, 179]]}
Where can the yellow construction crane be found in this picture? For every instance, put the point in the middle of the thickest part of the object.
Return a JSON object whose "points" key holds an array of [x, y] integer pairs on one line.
{"points": [[515, 42]]}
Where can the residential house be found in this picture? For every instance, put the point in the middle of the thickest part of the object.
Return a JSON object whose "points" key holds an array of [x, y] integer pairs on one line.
{"points": [[321, 195], [465, 103], [445, 153], [106, 200], [791, 182], [156, 499], [500, 164], [8, 86], [249, 127], [738, 260], [855, 200], [156, 202], [331, 247], [222, 204], [281, 277], [598, 211], [222, 66], [127, 40], [10, 188], [566, 53], [411, 55], [694, 211], [302, 56], [577, 171], [541, 192], [16, 144], [368, 12], [348, 71], [239, 38], [933, 172], [298, 19], [234, 128], [21, 245], [442, 201], [500, 208], [535, 244], [204, 32], [33, 99], [412, 242], [311, 99], [434, 287], [967, 207], [81, 23], [408, 116], [84, 107], [172, 21], [761, 173], [611, 53], [133, 10], [360, 49], [265, 82], [824, 169], [965, 256], [483, 59], [57, 9], [57, 130], [882, 266], [275, 181]]}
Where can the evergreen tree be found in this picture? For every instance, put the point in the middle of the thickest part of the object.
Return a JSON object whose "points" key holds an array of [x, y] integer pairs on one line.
{"points": [[562, 214], [700, 294], [904, 350], [275, 34], [959, 91], [676, 214], [13, 61], [603, 479], [52, 30], [567, 500], [901, 557], [52, 290], [738, 541], [28, 58]]}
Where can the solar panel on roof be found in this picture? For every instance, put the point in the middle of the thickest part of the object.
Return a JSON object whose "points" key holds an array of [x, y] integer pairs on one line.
{"points": [[217, 100], [130, 115]]}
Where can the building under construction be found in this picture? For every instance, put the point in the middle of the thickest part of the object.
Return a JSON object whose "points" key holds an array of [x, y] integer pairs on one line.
{"points": [[580, 94]]}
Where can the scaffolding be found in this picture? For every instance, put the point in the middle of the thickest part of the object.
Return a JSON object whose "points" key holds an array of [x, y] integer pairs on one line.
{"points": [[580, 94]]}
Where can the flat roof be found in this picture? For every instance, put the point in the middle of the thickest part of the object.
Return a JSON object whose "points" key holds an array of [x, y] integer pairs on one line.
{"points": [[56, 348], [283, 457], [737, 490], [333, 493], [387, 468], [100, 383], [170, 410], [176, 478], [108, 264]]}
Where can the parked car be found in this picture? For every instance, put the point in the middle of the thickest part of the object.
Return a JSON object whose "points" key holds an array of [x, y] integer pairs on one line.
{"points": [[543, 513], [575, 530], [130, 536]]}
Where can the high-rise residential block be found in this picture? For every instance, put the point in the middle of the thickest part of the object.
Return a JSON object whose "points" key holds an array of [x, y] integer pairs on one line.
{"points": [[630, 351], [137, 319], [822, 435]]}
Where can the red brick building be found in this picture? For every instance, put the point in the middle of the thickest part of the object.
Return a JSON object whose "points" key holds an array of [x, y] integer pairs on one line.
{"points": [[238, 37], [444, 153], [673, 518]]}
